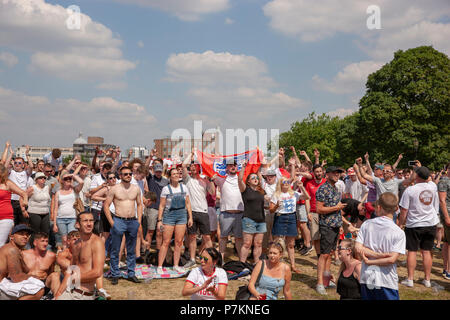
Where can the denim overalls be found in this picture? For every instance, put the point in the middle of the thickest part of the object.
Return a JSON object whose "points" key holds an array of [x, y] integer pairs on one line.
{"points": [[176, 213]]}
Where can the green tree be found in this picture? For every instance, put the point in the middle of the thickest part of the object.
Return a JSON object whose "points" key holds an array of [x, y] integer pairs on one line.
{"points": [[408, 99]]}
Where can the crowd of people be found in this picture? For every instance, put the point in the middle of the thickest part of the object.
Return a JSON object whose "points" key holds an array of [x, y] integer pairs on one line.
{"points": [[83, 217]]}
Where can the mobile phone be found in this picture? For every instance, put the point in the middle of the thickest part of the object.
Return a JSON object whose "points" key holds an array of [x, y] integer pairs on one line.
{"points": [[411, 163]]}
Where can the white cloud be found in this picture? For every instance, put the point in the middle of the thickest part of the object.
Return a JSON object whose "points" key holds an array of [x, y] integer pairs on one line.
{"points": [[342, 112], [229, 21], [140, 44], [40, 28], [112, 85], [115, 120], [187, 10], [210, 68], [8, 59], [351, 79]]}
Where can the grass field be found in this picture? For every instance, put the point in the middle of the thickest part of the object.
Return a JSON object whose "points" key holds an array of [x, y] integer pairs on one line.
{"points": [[302, 285]]}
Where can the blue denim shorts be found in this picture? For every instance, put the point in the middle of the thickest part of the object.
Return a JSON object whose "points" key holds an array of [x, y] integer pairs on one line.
{"points": [[250, 226], [285, 225], [65, 225], [175, 217]]}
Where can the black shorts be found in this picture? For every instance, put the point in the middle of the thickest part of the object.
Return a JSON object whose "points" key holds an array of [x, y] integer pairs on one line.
{"points": [[200, 222], [328, 238], [420, 237]]}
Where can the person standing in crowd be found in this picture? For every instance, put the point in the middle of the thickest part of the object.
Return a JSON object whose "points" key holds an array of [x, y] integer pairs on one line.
{"points": [[156, 182], [20, 177], [276, 276], [379, 243], [348, 286], [283, 203], [269, 185], [99, 181], [311, 187], [7, 188], [209, 281], [419, 213], [55, 159], [39, 200], [330, 220], [253, 221], [198, 189], [126, 220], [65, 216], [353, 187], [231, 207], [444, 202], [174, 212]]}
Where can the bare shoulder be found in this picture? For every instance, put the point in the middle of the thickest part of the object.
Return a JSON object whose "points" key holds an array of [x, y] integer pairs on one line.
{"points": [[50, 254], [96, 240]]}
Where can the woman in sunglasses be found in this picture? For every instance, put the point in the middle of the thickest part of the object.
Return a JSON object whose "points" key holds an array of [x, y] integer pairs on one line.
{"points": [[253, 220], [207, 282], [64, 215], [283, 203], [348, 286]]}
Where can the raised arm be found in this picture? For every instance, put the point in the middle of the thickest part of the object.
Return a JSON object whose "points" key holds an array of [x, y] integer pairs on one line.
{"points": [[358, 168], [30, 163], [294, 154], [5, 153], [185, 164], [241, 182], [305, 155], [369, 168], [316, 156], [400, 157], [94, 159]]}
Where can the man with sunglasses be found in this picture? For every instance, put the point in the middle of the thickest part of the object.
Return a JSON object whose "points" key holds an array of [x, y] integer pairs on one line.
{"points": [[98, 182], [126, 220], [22, 179], [231, 207]]}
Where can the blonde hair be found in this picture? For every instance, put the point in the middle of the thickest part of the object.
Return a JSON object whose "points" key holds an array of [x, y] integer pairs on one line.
{"points": [[278, 190], [4, 174], [351, 244]]}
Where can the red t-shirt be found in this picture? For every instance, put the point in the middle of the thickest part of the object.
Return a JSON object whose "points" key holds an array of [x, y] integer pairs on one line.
{"points": [[311, 187], [301, 202], [6, 210]]}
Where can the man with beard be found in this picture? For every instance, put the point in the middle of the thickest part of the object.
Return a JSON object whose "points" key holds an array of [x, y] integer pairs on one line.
{"points": [[329, 206], [88, 259], [311, 187], [17, 283], [231, 208], [127, 200]]}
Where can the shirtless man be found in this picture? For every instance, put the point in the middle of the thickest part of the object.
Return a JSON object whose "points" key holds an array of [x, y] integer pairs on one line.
{"points": [[16, 281], [88, 259], [127, 200], [41, 262]]}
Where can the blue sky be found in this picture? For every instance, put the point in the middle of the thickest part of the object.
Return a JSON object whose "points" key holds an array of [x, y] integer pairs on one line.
{"points": [[139, 69]]}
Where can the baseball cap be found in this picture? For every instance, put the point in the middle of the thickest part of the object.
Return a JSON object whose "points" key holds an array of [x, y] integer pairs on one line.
{"points": [[270, 172], [423, 173], [21, 227], [158, 167], [379, 166], [351, 172], [334, 169]]}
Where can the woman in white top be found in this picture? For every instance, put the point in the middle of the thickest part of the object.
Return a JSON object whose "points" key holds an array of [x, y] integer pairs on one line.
{"points": [[39, 198], [64, 216], [283, 203]]}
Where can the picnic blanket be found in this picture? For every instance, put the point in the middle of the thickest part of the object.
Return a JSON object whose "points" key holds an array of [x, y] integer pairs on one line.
{"points": [[148, 272]]}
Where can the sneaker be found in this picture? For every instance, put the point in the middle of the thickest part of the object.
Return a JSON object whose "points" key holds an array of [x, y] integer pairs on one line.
{"points": [[321, 289], [426, 283], [408, 283], [102, 293], [159, 270], [122, 265], [331, 284], [446, 275], [306, 250], [179, 269], [190, 264]]}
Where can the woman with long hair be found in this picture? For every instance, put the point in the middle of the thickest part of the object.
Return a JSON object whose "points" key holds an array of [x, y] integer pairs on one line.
{"points": [[276, 276], [253, 220], [7, 187], [348, 286], [283, 203], [174, 212]]}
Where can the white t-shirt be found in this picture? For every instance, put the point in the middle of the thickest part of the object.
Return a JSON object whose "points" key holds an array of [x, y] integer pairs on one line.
{"points": [[381, 234], [270, 190], [422, 202], [197, 193], [97, 181], [22, 180], [356, 189], [340, 186], [165, 192], [289, 202], [231, 198], [197, 278]]}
